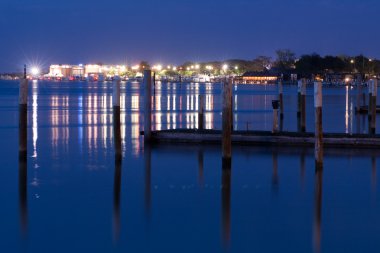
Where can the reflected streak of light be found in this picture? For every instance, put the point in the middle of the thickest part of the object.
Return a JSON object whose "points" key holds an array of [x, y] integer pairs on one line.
{"points": [[174, 120], [158, 121], [346, 111], [187, 102], [168, 102], [135, 132], [209, 119], [174, 102], [135, 102], [35, 123], [168, 120], [80, 121]]}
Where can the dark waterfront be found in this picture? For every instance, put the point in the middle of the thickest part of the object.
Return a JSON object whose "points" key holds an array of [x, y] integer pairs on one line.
{"points": [[73, 195]]}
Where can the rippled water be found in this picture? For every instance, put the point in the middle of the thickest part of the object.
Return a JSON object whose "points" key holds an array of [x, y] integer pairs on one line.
{"points": [[177, 198]]}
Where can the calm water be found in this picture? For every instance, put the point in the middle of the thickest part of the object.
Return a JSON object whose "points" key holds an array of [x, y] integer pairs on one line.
{"points": [[177, 198]]}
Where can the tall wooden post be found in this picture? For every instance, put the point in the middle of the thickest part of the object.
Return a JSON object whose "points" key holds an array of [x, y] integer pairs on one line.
{"points": [[280, 98], [23, 116], [148, 105], [275, 105], [303, 106], [299, 87], [226, 124], [369, 84], [373, 106], [23, 134], [318, 124], [116, 117], [201, 112]]}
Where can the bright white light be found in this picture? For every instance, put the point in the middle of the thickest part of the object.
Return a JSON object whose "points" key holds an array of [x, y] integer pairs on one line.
{"points": [[197, 66], [236, 67], [347, 79], [35, 71], [188, 68], [225, 67], [174, 68], [136, 67]]}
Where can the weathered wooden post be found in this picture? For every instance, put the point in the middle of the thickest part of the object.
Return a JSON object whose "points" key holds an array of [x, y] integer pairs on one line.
{"points": [[280, 98], [369, 84], [23, 116], [116, 117], [299, 85], [318, 123], [303, 106], [373, 106], [148, 105], [23, 171], [201, 112], [275, 105], [226, 122]]}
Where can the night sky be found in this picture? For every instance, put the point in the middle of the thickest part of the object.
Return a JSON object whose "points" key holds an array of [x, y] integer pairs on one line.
{"points": [[172, 31]]}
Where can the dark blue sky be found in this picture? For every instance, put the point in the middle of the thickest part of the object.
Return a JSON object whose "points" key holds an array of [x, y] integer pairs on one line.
{"points": [[172, 31]]}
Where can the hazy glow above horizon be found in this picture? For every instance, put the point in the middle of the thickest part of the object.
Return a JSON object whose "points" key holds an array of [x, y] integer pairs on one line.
{"points": [[178, 31]]}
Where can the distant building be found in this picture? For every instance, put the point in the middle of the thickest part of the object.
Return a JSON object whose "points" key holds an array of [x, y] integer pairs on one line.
{"points": [[251, 77], [65, 71]]}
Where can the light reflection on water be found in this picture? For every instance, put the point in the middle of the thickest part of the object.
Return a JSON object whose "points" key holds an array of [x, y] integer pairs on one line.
{"points": [[180, 198]]}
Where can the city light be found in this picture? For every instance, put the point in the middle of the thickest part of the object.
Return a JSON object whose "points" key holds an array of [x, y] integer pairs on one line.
{"points": [[197, 66], [35, 71], [225, 67], [136, 67], [236, 67]]}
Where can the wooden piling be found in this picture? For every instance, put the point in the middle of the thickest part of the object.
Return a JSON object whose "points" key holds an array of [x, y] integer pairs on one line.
{"points": [[148, 105], [23, 116], [369, 84], [23, 172], [116, 117], [280, 98], [299, 87], [303, 106], [226, 122], [318, 124], [373, 107], [275, 105], [201, 112]]}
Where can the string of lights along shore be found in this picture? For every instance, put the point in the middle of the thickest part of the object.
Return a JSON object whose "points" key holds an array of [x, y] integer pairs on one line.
{"points": [[286, 66]]}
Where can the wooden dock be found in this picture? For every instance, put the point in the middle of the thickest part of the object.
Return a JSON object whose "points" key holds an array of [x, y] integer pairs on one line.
{"points": [[266, 138]]}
